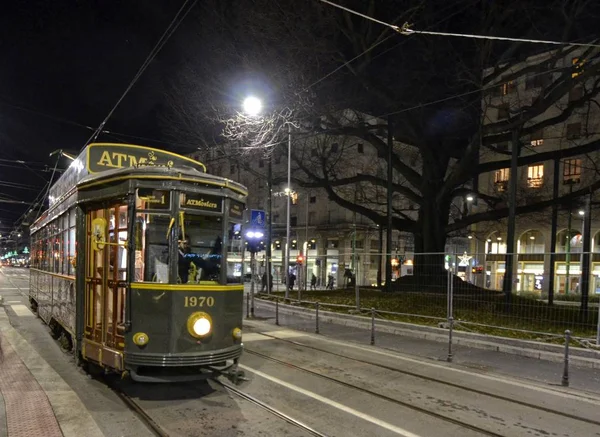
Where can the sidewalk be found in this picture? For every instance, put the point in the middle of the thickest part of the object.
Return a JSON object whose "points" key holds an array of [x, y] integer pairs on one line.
{"points": [[482, 360], [37, 401]]}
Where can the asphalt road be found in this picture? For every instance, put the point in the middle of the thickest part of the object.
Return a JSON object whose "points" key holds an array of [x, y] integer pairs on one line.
{"points": [[337, 388]]}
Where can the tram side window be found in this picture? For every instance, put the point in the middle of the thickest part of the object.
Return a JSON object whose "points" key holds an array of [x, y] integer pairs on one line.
{"points": [[234, 253], [152, 247], [71, 253], [200, 249], [65, 243], [117, 233]]}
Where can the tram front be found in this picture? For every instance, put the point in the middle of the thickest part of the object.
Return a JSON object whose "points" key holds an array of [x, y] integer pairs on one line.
{"points": [[186, 299]]}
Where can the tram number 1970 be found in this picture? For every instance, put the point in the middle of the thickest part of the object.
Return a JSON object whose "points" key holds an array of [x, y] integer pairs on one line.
{"points": [[193, 301]]}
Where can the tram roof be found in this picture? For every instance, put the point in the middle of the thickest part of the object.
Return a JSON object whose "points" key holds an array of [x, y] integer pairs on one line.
{"points": [[102, 157]]}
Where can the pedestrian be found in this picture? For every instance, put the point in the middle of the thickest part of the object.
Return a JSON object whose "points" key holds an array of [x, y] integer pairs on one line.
{"points": [[264, 282], [313, 282], [292, 280], [330, 282]]}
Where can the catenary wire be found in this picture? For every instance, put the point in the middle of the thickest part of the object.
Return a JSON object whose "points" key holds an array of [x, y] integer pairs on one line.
{"points": [[177, 20], [360, 55], [406, 30]]}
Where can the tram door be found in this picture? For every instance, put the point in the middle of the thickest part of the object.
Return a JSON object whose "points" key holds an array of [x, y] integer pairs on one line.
{"points": [[106, 276]]}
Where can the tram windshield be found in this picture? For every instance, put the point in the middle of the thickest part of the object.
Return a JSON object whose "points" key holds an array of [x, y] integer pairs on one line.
{"points": [[183, 247]]}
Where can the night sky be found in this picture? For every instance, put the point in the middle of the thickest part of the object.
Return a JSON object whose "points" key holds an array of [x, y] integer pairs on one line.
{"points": [[65, 64]]}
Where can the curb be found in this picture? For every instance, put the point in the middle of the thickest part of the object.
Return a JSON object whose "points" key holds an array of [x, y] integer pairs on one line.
{"points": [[525, 348]]}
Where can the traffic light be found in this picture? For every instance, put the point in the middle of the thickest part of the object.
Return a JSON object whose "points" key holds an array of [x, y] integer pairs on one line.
{"points": [[300, 259]]}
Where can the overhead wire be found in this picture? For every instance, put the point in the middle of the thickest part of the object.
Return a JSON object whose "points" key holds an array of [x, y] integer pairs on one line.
{"points": [[405, 29], [173, 25], [370, 48]]}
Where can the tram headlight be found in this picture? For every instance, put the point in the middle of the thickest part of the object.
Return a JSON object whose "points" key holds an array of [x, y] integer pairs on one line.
{"points": [[140, 339], [237, 334], [199, 324]]}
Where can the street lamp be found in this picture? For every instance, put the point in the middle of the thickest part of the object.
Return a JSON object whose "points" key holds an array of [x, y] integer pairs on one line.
{"points": [[252, 106]]}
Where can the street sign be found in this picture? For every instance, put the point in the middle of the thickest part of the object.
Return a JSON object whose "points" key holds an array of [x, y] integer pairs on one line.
{"points": [[257, 218]]}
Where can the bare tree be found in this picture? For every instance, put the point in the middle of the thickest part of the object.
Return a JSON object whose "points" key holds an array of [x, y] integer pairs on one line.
{"points": [[440, 149]]}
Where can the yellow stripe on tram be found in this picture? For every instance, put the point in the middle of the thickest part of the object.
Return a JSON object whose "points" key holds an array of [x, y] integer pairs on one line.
{"points": [[185, 287]]}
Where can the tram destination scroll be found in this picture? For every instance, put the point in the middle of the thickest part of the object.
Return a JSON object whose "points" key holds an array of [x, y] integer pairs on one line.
{"points": [[202, 202]]}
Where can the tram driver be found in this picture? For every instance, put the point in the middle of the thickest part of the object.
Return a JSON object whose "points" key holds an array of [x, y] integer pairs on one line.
{"points": [[184, 260]]}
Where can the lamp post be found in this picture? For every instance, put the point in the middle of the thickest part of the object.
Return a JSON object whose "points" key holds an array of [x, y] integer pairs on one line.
{"points": [[287, 221], [253, 107]]}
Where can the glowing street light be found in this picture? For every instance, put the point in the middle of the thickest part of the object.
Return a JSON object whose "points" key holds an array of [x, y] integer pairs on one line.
{"points": [[470, 198], [252, 106]]}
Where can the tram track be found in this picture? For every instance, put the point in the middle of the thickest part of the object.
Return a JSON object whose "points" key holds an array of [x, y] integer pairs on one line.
{"points": [[137, 410], [425, 378], [270, 409], [445, 418]]}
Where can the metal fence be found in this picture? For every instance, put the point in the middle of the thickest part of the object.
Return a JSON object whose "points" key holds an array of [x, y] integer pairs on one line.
{"points": [[547, 295]]}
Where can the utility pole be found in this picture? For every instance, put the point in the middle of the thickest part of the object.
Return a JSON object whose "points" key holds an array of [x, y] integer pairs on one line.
{"points": [[270, 221], [388, 248], [380, 256], [568, 249], [306, 242], [512, 211], [287, 221], [585, 257], [553, 230]]}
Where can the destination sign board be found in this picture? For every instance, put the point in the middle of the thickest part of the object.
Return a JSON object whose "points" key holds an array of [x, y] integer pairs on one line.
{"points": [[202, 202], [236, 209], [107, 156], [154, 199]]}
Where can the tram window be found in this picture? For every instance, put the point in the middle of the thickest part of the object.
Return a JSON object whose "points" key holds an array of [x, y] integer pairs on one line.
{"points": [[200, 249], [234, 253], [117, 233], [151, 247], [56, 249]]}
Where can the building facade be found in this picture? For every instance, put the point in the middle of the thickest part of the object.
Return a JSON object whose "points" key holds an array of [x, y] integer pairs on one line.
{"points": [[332, 240], [577, 123]]}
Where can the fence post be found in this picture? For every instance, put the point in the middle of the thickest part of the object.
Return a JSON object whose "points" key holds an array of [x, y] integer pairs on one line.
{"points": [[277, 311], [372, 326], [450, 329], [565, 377], [317, 318], [450, 288], [248, 306]]}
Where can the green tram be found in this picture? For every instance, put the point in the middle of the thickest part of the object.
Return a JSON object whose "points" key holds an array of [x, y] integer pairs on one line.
{"points": [[137, 264]]}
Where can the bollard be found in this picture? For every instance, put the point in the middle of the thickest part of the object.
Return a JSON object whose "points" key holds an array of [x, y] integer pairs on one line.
{"points": [[248, 306], [372, 326], [317, 318], [277, 312], [450, 328], [565, 377]]}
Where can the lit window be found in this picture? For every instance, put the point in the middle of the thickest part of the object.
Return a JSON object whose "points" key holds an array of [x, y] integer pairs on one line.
{"points": [[572, 171], [577, 64], [535, 176], [507, 88], [537, 138], [501, 178]]}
